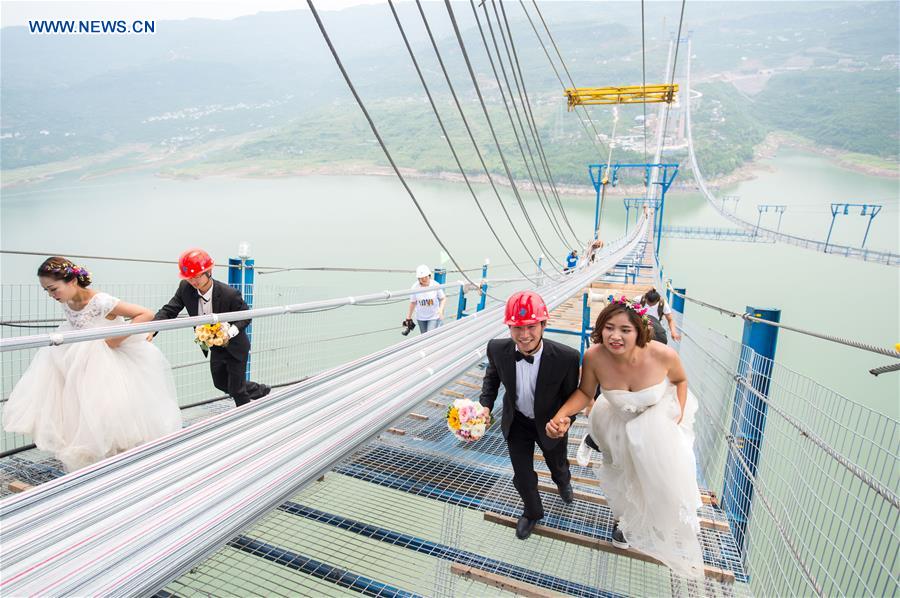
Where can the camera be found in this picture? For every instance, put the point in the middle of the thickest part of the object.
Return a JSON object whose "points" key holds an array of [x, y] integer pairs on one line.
{"points": [[408, 326]]}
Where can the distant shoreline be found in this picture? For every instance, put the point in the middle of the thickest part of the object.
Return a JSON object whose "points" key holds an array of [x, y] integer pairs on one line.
{"points": [[748, 171]]}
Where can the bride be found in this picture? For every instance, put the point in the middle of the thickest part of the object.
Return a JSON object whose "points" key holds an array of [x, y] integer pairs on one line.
{"points": [[643, 425], [90, 400]]}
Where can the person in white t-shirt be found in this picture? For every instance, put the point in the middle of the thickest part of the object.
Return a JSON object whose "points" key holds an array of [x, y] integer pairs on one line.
{"points": [[427, 305], [659, 309]]}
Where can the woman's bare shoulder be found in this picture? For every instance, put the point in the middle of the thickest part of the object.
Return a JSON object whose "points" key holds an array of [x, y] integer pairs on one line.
{"points": [[662, 352]]}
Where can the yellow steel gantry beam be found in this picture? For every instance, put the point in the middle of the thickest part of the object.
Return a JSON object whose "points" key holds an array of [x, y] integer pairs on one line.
{"points": [[630, 94]]}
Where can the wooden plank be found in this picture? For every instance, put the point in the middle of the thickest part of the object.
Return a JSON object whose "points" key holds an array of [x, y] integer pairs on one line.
{"points": [[706, 496], [397, 431], [478, 375], [434, 403], [17, 486], [419, 416], [468, 384], [597, 544], [453, 393], [539, 457], [575, 478], [713, 524], [498, 581], [586, 497]]}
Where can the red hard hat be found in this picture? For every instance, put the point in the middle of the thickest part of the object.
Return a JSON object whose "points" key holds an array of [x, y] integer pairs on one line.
{"points": [[525, 308], [193, 262]]}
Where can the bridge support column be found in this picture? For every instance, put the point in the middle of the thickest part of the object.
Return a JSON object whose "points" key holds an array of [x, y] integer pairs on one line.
{"points": [[748, 423], [484, 287], [241, 275]]}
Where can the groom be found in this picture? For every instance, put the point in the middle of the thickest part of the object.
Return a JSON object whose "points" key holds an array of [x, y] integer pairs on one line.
{"points": [[200, 294], [538, 376]]}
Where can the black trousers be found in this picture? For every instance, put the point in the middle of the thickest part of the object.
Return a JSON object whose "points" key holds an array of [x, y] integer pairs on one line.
{"points": [[520, 442], [230, 375]]}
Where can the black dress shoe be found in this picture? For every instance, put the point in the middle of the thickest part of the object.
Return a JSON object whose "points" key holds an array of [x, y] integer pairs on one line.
{"points": [[266, 389], [567, 494], [618, 538], [524, 527]]}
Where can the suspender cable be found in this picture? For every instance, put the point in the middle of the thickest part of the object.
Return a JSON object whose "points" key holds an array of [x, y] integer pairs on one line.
{"points": [[595, 138], [539, 190], [563, 62], [674, 65], [384, 148], [490, 124], [478, 153], [526, 103], [644, 76], [450, 143]]}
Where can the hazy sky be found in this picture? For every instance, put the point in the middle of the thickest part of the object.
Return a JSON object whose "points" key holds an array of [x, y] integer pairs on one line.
{"points": [[14, 13]]}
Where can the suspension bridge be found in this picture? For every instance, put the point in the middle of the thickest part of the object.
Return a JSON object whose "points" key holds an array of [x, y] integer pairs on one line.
{"points": [[345, 479]]}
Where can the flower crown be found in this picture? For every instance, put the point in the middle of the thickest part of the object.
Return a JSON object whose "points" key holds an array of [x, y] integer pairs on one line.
{"points": [[635, 306], [67, 268]]}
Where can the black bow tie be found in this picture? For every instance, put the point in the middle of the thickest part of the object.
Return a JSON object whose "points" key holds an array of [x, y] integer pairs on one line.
{"points": [[521, 356]]}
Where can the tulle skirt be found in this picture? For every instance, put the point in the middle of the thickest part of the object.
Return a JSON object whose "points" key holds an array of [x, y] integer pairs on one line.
{"points": [[86, 401], [648, 473]]}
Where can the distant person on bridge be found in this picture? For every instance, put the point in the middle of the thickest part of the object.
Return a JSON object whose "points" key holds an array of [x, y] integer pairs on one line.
{"points": [[87, 401], [200, 294], [428, 304], [538, 375], [658, 308], [596, 246], [643, 426], [571, 260]]}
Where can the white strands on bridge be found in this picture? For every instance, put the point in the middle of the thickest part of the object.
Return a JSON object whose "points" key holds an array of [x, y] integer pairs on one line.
{"points": [[134, 522]]}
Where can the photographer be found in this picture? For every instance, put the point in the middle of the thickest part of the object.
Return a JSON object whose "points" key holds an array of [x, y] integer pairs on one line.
{"points": [[428, 305]]}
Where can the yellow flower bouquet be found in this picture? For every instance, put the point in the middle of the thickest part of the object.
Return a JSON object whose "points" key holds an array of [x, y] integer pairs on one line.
{"points": [[212, 335], [468, 420]]}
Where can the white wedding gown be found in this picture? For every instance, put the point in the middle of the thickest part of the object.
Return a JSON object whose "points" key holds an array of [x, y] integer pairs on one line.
{"points": [[86, 401], [648, 472]]}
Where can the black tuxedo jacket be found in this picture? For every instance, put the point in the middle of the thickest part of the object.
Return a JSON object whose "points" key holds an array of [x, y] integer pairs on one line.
{"points": [[556, 381], [224, 299]]}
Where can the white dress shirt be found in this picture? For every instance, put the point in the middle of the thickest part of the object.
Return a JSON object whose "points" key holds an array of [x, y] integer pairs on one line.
{"points": [[204, 302], [526, 378]]}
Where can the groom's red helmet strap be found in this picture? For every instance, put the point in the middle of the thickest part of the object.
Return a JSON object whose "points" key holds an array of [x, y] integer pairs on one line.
{"points": [[193, 262], [524, 308]]}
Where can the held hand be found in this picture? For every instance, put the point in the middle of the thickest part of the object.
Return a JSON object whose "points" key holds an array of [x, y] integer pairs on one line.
{"points": [[680, 417], [150, 337], [558, 426]]}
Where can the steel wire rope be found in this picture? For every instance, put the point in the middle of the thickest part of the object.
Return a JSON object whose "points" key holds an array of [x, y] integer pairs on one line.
{"points": [[529, 113], [446, 133], [572, 81], [562, 62], [674, 65], [512, 101], [539, 190], [384, 148], [487, 117], [827, 337], [644, 76], [471, 135], [270, 269]]}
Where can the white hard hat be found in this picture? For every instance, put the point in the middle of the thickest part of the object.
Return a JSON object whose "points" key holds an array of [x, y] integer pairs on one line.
{"points": [[423, 271]]}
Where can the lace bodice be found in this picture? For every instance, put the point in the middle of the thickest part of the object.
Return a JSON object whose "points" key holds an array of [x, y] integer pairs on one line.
{"points": [[636, 401], [93, 315]]}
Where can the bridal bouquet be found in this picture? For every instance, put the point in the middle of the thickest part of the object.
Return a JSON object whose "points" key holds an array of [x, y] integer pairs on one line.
{"points": [[212, 335], [468, 420]]}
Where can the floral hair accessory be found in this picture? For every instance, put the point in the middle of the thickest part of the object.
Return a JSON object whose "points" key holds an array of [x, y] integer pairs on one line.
{"points": [[635, 306]]}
